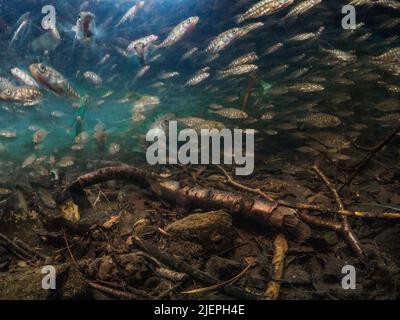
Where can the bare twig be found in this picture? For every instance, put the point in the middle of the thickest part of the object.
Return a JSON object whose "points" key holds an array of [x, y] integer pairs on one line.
{"points": [[113, 292], [221, 285], [320, 222], [233, 183], [17, 250], [69, 250], [346, 231]]}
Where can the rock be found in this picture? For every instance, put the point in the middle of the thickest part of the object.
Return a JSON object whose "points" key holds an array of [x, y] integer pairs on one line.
{"points": [[223, 269], [26, 284], [213, 231], [46, 198], [185, 249]]}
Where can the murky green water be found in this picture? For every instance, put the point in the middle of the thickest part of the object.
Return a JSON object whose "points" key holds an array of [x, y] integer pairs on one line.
{"points": [[307, 86]]}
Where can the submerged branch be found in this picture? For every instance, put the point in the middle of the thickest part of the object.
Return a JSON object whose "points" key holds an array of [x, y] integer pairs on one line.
{"points": [[259, 211], [346, 231]]}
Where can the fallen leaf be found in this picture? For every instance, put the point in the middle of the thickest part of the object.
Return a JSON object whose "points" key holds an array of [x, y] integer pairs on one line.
{"points": [[22, 264], [111, 222], [70, 211]]}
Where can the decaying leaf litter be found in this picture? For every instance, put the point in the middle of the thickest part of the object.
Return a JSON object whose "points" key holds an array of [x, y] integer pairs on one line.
{"points": [[144, 234]]}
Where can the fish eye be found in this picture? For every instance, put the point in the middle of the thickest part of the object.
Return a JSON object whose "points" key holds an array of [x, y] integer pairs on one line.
{"points": [[42, 68], [7, 92]]}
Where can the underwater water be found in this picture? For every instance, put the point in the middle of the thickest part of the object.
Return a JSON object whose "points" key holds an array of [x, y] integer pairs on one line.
{"points": [[307, 83]]}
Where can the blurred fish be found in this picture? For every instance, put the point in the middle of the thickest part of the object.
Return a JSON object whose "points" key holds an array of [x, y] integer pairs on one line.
{"points": [[53, 80], [57, 114], [85, 28], [29, 161], [39, 136], [114, 148], [214, 106], [131, 13], [274, 48], [244, 59], [238, 70], [137, 117], [392, 55], [9, 134], [169, 75], [340, 55], [24, 26], [188, 54], [301, 8], [321, 120], [223, 40], [66, 162], [198, 124], [104, 59], [263, 8], [27, 96], [231, 113], [307, 35], [179, 32], [100, 135], [145, 40], [198, 77], [93, 77], [24, 77], [267, 116], [142, 71], [306, 87], [145, 103]]}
